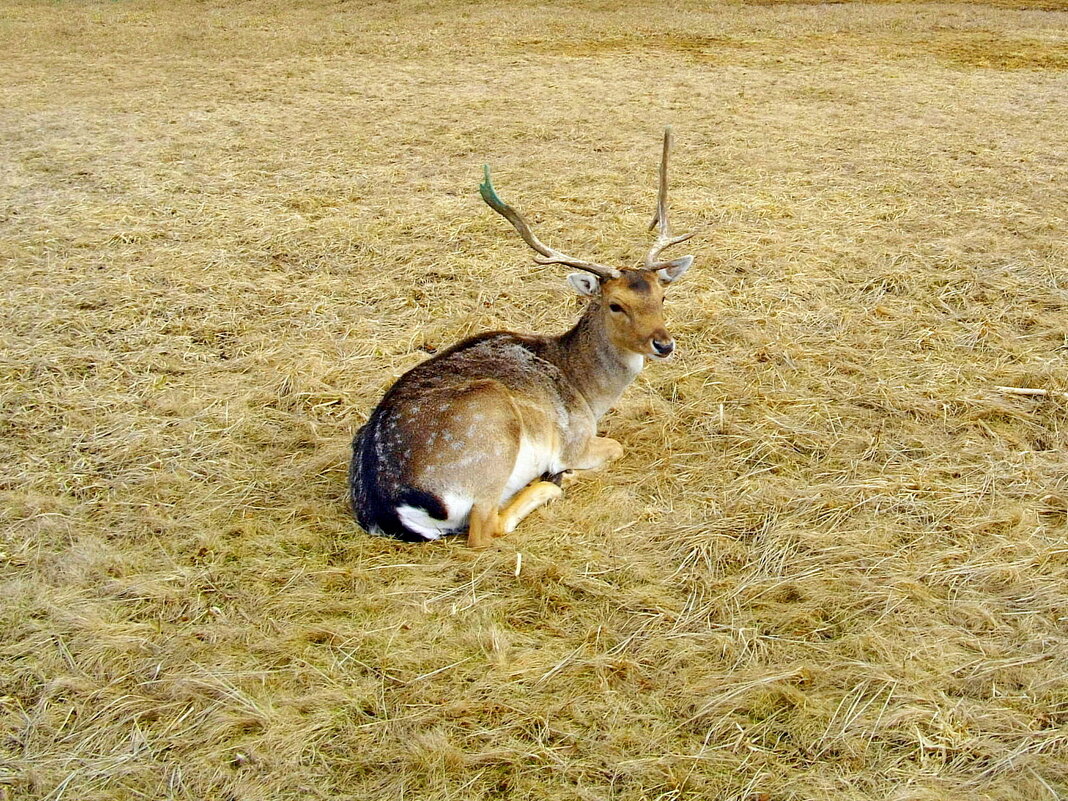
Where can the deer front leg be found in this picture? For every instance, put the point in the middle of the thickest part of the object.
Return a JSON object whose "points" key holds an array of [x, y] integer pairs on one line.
{"points": [[529, 499], [599, 451]]}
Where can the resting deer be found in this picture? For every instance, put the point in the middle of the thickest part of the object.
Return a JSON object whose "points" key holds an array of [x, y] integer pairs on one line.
{"points": [[478, 436]]}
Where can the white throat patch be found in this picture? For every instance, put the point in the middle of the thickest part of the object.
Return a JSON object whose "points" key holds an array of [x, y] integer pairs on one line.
{"points": [[634, 361]]}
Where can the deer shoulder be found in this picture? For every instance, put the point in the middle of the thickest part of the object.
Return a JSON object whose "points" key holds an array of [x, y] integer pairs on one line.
{"points": [[475, 438]]}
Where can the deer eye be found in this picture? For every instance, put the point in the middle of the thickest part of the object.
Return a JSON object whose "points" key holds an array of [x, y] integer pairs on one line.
{"points": [[615, 307]]}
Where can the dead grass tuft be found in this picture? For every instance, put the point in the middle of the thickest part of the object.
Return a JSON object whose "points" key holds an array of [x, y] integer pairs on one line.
{"points": [[832, 562]]}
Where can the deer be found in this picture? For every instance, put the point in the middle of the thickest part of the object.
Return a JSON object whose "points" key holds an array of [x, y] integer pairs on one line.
{"points": [[481, 434]]}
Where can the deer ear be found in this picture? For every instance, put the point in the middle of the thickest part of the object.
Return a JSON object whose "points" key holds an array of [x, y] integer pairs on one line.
{"points": [[585, 283], [674, 269]]}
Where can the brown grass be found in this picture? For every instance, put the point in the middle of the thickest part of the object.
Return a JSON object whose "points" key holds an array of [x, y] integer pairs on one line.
{"points": [[832, 563], [955, 48]]}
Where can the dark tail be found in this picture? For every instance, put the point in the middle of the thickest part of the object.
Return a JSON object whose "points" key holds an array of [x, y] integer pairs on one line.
{"points": [[375, 508]]}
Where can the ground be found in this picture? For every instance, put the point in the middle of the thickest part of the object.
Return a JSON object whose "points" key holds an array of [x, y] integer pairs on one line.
{"points": [[833, 561]]}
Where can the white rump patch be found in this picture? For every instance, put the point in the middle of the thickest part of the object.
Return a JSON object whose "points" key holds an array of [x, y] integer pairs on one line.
{"points": [[415, 518]]}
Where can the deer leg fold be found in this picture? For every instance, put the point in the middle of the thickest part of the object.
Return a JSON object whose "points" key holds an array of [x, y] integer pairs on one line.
{"points": [[599, 452], [483, 525], [526, 501]]}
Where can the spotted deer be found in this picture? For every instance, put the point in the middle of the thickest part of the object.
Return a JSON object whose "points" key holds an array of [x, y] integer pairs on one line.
{"points": [[478, 436]]}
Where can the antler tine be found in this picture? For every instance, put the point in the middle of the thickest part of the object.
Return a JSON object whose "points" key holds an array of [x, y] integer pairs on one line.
{"points": [[664, 239], [548, 254]]}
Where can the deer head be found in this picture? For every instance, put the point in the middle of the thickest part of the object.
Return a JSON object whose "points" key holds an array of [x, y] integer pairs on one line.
{"points": [[630, 299]]}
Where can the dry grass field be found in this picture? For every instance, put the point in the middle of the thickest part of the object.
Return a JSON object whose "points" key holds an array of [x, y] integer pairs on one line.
{"points": [[833, 563]]}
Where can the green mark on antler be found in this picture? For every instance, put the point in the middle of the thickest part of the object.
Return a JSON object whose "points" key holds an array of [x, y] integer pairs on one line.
{"points": [[489, 194]]}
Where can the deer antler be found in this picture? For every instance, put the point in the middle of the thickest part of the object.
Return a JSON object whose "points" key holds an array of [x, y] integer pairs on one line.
{"points": [[664, 239], [548, 254]]}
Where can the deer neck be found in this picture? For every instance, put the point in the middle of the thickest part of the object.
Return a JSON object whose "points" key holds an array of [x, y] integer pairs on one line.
{"points": [[599, 370]]}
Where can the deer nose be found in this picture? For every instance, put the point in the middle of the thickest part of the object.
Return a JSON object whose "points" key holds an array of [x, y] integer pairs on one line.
{"points": [[663, 347]]}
